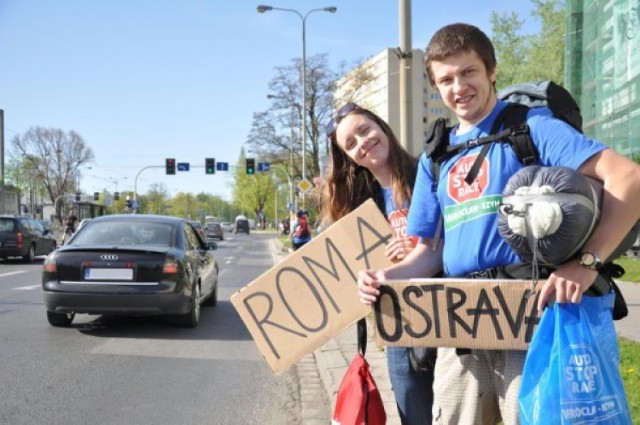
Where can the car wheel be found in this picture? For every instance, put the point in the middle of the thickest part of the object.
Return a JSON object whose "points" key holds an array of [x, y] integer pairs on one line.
{"points": [[192, 317], [28, 257], [213, 298], [60, 319]]}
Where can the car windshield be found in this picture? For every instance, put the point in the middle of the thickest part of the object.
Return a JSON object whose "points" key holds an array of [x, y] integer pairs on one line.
{"points": [[124, 233]]}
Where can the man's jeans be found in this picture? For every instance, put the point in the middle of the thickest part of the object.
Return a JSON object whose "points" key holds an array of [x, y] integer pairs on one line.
{"points": [[413, 390]]}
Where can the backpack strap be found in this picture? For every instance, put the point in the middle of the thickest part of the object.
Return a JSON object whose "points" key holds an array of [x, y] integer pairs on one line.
{"points": [[513, 120]]}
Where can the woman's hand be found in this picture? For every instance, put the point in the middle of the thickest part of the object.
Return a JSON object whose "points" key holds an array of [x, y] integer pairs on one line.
{"points": [[368, 284], [399, 248]]}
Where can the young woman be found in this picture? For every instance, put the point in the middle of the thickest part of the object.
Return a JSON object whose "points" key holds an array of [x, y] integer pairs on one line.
{"points": [[367, 161]]}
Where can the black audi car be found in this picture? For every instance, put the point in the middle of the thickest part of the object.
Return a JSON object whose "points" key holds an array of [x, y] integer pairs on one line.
{"points": [[131, 265]]}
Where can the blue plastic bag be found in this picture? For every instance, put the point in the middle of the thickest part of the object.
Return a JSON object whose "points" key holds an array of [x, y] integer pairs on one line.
{"points": [[571, 373]]}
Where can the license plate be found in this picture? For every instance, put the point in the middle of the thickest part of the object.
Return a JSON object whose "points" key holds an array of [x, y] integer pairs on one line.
{"points": [[112, 274]]}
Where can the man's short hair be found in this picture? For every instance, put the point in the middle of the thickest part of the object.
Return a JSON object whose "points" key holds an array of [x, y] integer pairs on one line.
{"points": [[459, 38]]}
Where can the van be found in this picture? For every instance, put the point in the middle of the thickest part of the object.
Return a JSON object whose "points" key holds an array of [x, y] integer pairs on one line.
{"points": [[241, 225]]}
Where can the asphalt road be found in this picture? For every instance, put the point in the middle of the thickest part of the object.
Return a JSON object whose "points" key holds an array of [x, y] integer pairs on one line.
{"points": [[140, 370]]}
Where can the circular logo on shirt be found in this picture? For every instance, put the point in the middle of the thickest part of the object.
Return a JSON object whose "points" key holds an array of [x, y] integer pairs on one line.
{"points": [[458, 189]]}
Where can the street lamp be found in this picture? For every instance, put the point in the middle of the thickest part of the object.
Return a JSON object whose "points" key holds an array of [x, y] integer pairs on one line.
{"points": [[331, 9], [290, 170]]}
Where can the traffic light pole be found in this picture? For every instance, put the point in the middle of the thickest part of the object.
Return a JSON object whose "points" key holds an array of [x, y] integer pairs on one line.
{"points": [[55, 203], [135, 182]]}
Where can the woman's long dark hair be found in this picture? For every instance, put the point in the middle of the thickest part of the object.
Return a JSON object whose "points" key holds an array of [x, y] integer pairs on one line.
{"points": [[348, 185]]}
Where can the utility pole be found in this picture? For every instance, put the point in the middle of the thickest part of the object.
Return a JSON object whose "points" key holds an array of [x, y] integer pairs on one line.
{"points": [[405, 56]]}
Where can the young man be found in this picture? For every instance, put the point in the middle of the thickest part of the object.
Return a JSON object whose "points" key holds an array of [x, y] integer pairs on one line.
{"points": [[481, 387]]}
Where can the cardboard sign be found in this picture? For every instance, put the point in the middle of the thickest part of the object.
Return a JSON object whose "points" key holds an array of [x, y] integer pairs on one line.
{"points": [[464, 313], [311, 296]]}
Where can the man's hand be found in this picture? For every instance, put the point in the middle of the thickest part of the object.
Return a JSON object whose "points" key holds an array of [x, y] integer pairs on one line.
{"points": [[568, 283], [368, 284]]}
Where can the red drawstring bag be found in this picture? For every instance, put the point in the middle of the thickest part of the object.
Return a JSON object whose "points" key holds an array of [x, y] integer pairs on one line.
{"points": [[359, 401]]}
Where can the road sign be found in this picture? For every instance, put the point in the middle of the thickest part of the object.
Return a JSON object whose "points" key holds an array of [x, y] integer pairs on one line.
{"points": [[305, 185], [263, 166], [222, 166], [183, 166]]}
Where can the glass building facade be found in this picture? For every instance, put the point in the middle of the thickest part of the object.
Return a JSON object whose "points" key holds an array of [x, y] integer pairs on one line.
{"points": [[602, 70]]}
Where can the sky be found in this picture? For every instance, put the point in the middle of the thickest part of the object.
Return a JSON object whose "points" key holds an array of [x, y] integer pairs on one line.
{"points": [[145, 80]]}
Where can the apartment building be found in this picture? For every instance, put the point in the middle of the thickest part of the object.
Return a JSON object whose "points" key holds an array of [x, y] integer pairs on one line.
{"points": [[381, 94]]}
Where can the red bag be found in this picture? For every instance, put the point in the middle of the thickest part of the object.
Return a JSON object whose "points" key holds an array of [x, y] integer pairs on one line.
{"points": [[358, 401]]}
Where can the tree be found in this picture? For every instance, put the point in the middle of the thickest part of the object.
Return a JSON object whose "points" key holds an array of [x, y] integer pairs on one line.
{"points": [[276, 133], [252, 193], [534, 57], [547, 47], [156, 199], [54, 157]]}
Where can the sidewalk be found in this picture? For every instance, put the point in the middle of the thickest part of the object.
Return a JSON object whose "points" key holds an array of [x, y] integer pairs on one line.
{"points": [[333, 358], [628, 327]]}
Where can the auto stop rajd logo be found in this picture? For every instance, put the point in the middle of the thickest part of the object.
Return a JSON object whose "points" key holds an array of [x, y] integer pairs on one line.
{"points": [[458, 189]]}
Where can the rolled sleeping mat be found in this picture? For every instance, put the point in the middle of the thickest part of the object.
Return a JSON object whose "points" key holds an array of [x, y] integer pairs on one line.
{"points": [[548, 213]]}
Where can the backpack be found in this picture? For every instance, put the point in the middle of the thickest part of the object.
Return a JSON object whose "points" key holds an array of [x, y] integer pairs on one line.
{"points": [[358, 401], [515, 131], [302, 231]]}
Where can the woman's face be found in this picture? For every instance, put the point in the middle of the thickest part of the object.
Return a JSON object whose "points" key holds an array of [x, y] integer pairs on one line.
{"points": [[363, 141]]}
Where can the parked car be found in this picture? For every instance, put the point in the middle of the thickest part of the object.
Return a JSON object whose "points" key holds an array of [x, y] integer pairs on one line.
{"points": [[214, 231], [198, 226], [46, 225], [226, 226], [131, 265], [24, 237]]}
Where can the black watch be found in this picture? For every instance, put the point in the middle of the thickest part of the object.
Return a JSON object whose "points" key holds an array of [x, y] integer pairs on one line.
{"points": [[590, 261]]}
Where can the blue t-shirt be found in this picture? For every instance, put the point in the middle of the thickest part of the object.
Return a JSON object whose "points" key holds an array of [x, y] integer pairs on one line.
{"points": [[397, 216], [472, 242]]}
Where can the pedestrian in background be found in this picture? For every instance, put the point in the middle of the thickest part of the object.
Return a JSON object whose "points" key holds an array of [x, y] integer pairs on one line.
{"points": [[367, 161], [69, 227], [300, 233], [481, 386]]}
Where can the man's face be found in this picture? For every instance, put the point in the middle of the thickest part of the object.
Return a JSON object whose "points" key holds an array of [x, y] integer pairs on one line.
{"points": [[466, 87]]}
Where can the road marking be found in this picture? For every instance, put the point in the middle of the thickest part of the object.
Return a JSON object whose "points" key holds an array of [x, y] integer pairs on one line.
{"points": [[27, 288], [12, 273], [186, 349]]}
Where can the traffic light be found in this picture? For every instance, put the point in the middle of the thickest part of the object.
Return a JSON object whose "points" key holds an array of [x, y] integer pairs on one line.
{"points": [[251, 166], [96, 196], [210, 166], [170, 166], [78, 196], [116, 196]]}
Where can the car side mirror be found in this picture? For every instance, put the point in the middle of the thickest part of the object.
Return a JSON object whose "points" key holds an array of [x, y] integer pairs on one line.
{"points": [[212, 246]]}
